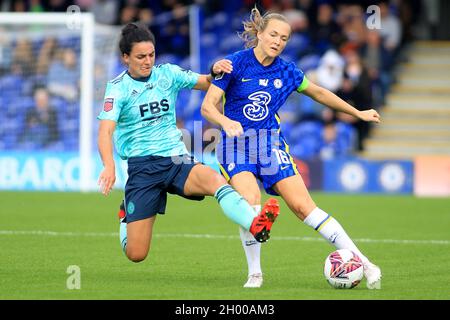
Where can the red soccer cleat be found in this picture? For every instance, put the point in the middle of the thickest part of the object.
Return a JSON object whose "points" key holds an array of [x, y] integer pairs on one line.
{"points": [[262, 223], [122, 212]]}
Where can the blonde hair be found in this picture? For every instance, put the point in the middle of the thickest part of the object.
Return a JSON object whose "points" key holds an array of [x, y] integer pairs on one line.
{"points": [[255, 24]]}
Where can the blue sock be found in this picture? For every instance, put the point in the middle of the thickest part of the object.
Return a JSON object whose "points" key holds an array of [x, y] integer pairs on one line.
{"points": [[235, 207], [123, 236]]}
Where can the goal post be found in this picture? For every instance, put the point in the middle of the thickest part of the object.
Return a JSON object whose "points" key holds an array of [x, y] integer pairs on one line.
{"points": [[71, 162], [38, 27]]}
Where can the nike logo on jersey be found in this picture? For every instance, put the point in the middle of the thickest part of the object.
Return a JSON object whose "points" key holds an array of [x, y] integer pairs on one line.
{"points": [[284, 167], [245, 80]]}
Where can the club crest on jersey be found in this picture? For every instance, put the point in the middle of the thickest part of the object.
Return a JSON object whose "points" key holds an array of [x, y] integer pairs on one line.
{"points": [[257, 110], [108, 104], [277, 83], [163, 84]]}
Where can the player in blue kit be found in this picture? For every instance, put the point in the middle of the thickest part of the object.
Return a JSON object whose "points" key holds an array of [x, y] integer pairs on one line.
{"points": [[139, 110], [253, 146]]}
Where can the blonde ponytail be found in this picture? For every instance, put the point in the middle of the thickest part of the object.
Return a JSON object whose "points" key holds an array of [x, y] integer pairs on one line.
{"points": [[255, 24]]}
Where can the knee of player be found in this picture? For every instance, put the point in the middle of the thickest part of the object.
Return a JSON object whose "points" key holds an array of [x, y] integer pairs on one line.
{"points": [[302, 210], [217, 180], [252, 198], [136, 256]]}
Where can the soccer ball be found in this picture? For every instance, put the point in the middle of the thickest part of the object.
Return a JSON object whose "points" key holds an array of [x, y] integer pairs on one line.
{"points": [[343, 269]]}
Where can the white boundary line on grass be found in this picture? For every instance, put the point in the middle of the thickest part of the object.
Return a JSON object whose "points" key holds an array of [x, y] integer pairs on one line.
{"points": [[206, 236]]}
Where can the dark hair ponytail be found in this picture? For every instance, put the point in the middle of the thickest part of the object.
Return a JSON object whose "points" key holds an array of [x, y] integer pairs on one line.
{"points": [[133, 33]]}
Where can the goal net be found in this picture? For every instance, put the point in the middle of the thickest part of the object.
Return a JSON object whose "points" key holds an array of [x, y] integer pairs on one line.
{"points": [[53, 71]]}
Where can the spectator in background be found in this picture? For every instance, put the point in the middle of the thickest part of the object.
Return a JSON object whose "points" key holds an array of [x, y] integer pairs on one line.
{"points": [[391, 28], [66, 86], [351, 20], [56, 5], [5, 53], [325, 31], [146, 16], [356, 90], [36, 6], [23, 56], [331, 71], [41, 122], [308, 7], [105, 11], [176, 33], [45, 56], [375, 58], [19, 6], [330, 147], [128, 14]]}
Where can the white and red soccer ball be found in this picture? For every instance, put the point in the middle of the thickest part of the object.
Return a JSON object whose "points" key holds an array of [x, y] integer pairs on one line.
{"points": [[343, 269]]}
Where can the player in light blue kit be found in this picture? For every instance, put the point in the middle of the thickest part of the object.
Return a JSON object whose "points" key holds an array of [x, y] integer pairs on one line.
{"points": [[139, 110], [253, 146]]}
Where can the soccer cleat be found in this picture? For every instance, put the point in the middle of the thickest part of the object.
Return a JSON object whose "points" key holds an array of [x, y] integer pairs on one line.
{"points": [[373, 275], [262, 223], [254, 281], [122, 212]]}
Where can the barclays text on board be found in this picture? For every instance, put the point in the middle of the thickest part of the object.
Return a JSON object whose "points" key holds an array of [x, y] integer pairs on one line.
{"points": [[45, 171], [61, 172]]}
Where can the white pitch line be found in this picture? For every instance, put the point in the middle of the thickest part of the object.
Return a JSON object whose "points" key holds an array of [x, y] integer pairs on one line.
{"points": [[206, 236]]}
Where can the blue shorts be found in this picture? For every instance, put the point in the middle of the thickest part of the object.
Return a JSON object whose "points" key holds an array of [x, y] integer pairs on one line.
{"points": [[150, 178], [270, 163]]}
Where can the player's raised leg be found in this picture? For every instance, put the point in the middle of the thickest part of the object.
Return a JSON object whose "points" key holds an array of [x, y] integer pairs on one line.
{"points": [[203, 180], [136, 236], [297, 197], [245, 184]]}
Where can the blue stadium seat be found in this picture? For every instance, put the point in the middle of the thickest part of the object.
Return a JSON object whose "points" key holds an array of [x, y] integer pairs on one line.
{"points": [[69, 42], [59, 104], [346, 136], [306, 129], [308, 148], [209, 40], [309, 62], [231, 43], [296, 46]]}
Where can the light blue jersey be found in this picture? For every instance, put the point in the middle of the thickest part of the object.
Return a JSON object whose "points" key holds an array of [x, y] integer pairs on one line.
{"points": [[144, 110]]}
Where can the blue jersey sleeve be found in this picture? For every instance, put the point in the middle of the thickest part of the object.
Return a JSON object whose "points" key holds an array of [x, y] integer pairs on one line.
{"points": [[301, 82], [112, 103]]}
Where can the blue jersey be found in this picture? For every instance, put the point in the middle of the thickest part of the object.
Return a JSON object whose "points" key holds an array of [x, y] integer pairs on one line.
{"points": [[254, 93], [144, 110]]}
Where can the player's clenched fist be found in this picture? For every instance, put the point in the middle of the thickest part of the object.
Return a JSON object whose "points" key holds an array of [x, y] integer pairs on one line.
{"points": [[232, 128]]}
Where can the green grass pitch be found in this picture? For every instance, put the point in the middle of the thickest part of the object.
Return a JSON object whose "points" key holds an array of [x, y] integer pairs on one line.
{"points": [[196, 252]]}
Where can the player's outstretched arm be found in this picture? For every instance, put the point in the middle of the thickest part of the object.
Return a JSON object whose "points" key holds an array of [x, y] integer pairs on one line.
{"points": [[328, 98], [107, 177], [221, 66], [211, 112]]}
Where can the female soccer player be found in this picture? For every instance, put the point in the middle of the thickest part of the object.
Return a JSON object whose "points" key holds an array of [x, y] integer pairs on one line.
{"points": [[139, 108], [252, 145]]}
